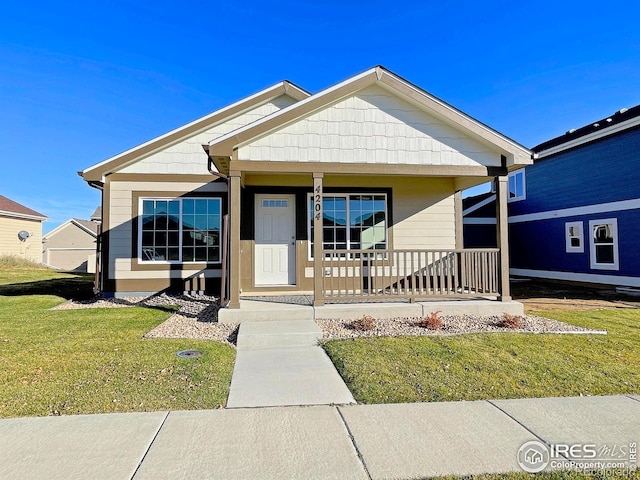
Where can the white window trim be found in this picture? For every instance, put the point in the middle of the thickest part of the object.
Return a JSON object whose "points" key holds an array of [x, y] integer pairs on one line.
{"points": [[592, 245], [141, 261], [343, 194], [524, 186], [567, 237]]}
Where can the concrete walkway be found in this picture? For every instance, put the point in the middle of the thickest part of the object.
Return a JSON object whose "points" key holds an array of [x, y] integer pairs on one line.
{"points": [[341, 442], [258, 310], [279, 363]]}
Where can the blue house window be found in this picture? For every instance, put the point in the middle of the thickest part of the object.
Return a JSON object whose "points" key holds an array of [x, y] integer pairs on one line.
{"points": [[604, 244], [517, 186], [574, 237]]}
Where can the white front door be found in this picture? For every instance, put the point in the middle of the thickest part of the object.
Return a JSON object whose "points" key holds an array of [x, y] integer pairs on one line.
{"points": [[275, 252]]}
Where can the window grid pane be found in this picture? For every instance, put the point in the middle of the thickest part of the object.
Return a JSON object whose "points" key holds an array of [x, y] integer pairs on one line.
{"points": [[162, 228], [352, 222]]}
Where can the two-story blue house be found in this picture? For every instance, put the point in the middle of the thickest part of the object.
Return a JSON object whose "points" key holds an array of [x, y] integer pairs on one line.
{"points": [[575, 213]]}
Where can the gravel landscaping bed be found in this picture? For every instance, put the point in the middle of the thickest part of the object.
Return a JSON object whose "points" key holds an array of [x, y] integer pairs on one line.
{"points": [[197, 316], [451, 325]]}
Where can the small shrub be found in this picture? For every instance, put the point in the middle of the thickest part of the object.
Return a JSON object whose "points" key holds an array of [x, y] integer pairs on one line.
{"points": [[513, 322], [431, 322], [363, 324]]}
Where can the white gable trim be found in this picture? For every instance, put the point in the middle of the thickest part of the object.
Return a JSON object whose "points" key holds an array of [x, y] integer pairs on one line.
{"points": [[68, 222], [619, 127], [24, 216], [206, 122], [223, 146], [479, 205]]}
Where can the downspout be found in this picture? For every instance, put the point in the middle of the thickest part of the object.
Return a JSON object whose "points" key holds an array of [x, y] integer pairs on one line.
{"points": [[97, 284], [224, 300]]}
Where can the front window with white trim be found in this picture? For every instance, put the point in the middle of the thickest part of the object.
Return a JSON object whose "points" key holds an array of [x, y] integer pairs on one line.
{"points": [[351, 222], [574, 237], [604, 244], [181, 230]]}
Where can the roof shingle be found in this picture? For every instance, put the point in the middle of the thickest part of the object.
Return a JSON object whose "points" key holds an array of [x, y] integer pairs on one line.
{"points": [[9, 206]]}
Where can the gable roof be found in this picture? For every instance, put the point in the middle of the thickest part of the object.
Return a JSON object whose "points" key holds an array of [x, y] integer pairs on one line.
{"points": [[86, 225], [221, 149], [96, 216], [624, 119], [14, 209], [479, 205], [96, 173]]}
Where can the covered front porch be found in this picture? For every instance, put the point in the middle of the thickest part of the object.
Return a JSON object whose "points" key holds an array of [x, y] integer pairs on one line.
{"points": [[348, 283], [355, 196]]}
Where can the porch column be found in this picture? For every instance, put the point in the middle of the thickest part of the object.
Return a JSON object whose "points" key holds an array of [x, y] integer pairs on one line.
{"points": [[457, 207], [502, 231], [234, 233], [318, 248]]}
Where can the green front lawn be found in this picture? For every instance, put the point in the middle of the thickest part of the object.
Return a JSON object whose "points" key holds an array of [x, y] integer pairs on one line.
{"points": [[496, 365], [95, 360]]}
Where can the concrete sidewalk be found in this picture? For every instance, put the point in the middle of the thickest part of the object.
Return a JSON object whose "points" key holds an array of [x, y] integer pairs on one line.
{"points": [[279, 363], [341, 442]]}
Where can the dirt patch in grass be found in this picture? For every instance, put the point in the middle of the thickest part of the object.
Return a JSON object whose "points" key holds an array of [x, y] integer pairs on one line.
{"points": [[548, 295]]}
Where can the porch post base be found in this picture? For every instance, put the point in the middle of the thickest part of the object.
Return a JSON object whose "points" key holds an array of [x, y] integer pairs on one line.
{"points": [[504, 298], [233, 305], [318, 303]]}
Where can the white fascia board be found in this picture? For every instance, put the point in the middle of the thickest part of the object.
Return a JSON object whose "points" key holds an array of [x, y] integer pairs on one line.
{"points": [[299, 104], [605, 132], [479, 205], [632, 204], [454, 111], [23, 216], [277, 90], [578, 277], [68, 222], [480, 221]]}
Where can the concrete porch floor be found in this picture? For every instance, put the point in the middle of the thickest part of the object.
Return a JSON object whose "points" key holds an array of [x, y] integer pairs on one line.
{"points": [[294, 308]]}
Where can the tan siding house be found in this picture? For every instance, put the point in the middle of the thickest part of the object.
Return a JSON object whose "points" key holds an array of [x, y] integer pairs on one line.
{"points": [[14, 219], [71, 246], [350, 194]]}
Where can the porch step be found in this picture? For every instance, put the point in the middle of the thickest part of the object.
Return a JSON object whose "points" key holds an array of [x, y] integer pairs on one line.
{"points": [[353, 311], [278, 334], [379, 311], [257, 311]]}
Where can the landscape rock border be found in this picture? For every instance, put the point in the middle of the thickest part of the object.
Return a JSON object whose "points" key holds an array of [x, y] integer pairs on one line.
{"points": [[197, 318], [452, 325]]}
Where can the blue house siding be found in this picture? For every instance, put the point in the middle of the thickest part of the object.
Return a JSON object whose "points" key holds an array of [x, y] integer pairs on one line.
{"points": [[601, 172], [540, 245], [480, 236], [595, 181]]}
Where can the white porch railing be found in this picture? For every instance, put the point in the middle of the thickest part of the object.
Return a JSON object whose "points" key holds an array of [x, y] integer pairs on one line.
{"points": [[365, 275]]}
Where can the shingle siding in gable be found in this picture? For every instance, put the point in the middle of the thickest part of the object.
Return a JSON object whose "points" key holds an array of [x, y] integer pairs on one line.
{"points": [[602, 172]]}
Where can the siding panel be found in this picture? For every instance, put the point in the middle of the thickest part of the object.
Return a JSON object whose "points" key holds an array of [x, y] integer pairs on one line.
{"points": [[10, 244], [359, 128], [187, 156]]}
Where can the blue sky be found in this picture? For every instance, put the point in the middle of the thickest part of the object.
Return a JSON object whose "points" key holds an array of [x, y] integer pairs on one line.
{"points": [[82, 81]]}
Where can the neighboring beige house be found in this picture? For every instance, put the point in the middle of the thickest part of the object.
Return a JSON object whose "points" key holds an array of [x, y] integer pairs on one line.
{"points": [[350, 194], [20, 230], [71, 246]]}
